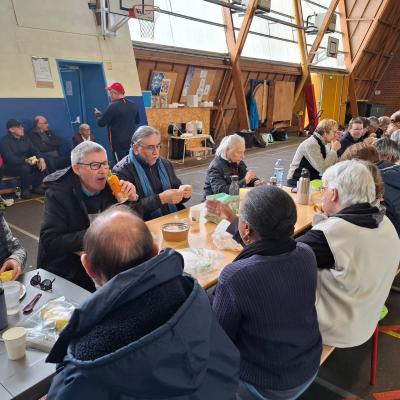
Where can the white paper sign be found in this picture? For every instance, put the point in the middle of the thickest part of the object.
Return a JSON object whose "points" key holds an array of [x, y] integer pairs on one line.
{"points": [[42, 71]]}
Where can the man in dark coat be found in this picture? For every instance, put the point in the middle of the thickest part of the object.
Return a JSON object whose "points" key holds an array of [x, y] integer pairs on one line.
{"points": [[23, 159], [148, 332], [74, 196], [159, 189], [48, 143], [121, 118], [354, 134]]}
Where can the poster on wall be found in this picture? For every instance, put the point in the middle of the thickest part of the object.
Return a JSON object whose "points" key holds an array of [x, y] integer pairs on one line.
{"points": [[165, 86], [156, 82], [188, 81], [42, 72]]}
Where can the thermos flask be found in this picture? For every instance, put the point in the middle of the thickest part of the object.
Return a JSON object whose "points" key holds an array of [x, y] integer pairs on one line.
{"points": [[303, 188]]}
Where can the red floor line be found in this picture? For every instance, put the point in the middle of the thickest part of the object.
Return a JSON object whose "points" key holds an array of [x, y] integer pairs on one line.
{"points": [[392, 395]]}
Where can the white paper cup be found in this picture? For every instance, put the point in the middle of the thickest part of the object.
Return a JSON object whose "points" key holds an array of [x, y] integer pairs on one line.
{"points": [[195, 214], [12, 291], [15, 342]]}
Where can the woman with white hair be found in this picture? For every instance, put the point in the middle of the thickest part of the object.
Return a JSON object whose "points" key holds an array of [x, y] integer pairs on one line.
{"points": [[358, 252], [228, 162]]}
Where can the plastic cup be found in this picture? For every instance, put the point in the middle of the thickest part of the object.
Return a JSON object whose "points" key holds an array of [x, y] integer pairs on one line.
{"points": [[12, 291], [195, 214], [15, 342]]}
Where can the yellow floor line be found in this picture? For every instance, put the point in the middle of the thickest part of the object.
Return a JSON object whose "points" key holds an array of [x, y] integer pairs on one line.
{"points": [[393, 333]]}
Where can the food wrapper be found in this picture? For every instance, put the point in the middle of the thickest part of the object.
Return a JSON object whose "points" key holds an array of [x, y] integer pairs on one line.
{"points": [[44, 326], [199, 261], [231, 201], [222, 239]]}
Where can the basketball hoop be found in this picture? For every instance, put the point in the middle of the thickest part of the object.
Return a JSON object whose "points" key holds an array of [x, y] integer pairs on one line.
{"points": [[147, 16]]}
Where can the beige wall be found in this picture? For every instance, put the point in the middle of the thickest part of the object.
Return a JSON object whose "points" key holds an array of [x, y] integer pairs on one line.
{"points": [[58, 29]]}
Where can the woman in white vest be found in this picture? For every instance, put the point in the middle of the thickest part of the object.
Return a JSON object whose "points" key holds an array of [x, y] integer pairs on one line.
{"points": [[358, 252]]}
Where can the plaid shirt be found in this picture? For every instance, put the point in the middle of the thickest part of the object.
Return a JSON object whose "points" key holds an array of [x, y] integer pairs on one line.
{"points": [[10, 247]]}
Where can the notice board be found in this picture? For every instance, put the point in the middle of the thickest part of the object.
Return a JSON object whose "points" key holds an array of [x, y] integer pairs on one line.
{"points": [[198, 82]]}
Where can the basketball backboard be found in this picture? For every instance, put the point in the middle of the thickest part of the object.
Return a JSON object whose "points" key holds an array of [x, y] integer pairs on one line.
{"points": [[122, 7]]}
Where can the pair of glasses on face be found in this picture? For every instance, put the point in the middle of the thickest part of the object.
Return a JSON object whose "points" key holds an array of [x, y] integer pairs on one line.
{"points": [[45, 285], [95, 166], [151, 147]]}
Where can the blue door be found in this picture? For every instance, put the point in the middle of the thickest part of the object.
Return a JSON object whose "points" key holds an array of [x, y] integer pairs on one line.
{"points": [[71, 80], [84, 89]]}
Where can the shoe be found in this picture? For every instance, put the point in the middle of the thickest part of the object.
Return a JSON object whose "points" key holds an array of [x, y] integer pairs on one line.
{"points": [[25, 194], [38, 190]]}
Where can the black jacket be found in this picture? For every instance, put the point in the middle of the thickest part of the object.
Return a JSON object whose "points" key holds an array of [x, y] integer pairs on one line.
{"points": [[64, 223], [125, 170], [219, 173], [16, 151], [121, 118], [391, 178], [148, 333], [346, 141], [45, 142]]}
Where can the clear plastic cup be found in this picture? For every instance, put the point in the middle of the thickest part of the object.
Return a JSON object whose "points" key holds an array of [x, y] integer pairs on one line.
{"points": [[12, 291], [15, 342]]}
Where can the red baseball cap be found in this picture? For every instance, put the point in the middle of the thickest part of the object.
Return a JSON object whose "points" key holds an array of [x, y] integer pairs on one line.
{"points": [[117, 87]]}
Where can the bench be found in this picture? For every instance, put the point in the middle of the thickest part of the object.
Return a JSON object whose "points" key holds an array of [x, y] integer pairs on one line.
{"points": [[8, 184]]}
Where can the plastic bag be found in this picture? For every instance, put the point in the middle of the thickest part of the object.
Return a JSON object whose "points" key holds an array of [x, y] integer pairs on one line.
{"points": [[201, 261], [222, 239], [44, 326]]}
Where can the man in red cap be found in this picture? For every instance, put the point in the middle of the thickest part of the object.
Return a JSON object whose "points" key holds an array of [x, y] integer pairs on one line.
{"points": [[121, 118]]}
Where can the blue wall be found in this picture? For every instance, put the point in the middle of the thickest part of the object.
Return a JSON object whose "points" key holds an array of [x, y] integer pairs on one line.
{"points": [[55, 110]]}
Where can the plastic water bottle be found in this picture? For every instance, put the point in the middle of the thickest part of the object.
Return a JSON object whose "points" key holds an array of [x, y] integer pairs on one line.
{"points": [[234, 192], [279, 171]]}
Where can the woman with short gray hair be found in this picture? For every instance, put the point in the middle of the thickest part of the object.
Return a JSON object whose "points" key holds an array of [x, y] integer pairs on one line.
{"points": [[228, 162], [265, 300]]}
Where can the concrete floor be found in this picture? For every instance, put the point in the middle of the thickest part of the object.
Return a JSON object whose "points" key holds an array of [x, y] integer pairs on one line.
{"points": [[345, 375]]}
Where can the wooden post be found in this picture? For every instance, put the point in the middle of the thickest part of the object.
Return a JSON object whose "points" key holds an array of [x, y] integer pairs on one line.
{"points": [[301, 38]]}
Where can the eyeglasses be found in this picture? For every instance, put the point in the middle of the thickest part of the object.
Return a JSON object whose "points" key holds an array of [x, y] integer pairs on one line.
{"points": [[150, 147], [96, 165], [46, 285]]}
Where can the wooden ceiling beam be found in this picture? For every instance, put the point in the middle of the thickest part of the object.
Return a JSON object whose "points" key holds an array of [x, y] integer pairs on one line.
{"points": [[361, 16], [371, 31], [301, 40], [235, 47], [322, 30]]}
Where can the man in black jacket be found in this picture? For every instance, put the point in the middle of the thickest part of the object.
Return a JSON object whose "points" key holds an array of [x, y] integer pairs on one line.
{"points": [[160, 191], [48, 144], [354, 134], [148, 331], [121, 118], [74, 196], [23, 159]]}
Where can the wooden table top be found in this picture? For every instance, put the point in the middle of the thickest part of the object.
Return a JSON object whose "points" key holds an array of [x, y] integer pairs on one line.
{"points": [[200, 237]]}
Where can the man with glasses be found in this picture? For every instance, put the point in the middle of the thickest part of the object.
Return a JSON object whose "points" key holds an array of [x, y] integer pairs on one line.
{"points": [[48, 143], [74, 196], [160, 190]]}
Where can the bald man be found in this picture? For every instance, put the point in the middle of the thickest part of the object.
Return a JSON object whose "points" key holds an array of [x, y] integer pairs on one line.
{"points": [[147, 330], [48, 143]]}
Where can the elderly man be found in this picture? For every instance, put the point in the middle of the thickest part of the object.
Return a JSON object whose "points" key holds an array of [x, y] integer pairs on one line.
{"points": [[147, 331], [23, 159], [358, 252], [48, 143], [354, 134], [74, 196], [121, 118], [83, 135], [12, 254], [160, 191]]}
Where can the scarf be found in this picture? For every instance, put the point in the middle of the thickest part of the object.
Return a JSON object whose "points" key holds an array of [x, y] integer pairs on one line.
{"points": [[146, 185], [265, 247], [321, 144]]}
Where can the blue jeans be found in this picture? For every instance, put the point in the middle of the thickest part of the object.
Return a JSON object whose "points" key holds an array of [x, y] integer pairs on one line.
{"points": [[246, 391]]}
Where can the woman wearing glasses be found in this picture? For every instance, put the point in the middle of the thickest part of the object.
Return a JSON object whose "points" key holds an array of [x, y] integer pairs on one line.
{"points": [[160, 190], [74, 197]]}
